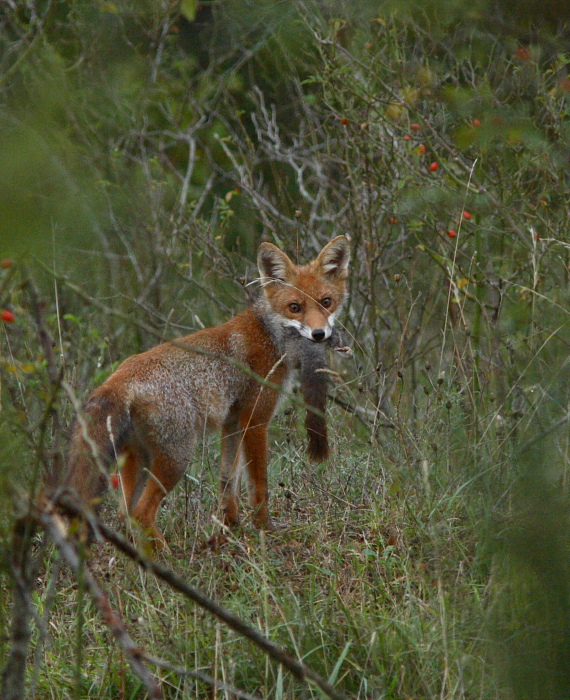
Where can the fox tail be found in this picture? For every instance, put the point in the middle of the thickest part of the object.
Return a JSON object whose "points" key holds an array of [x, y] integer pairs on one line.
{"points": [[99, 437]]}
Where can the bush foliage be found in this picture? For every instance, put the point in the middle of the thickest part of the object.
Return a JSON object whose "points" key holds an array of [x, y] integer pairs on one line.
{"points": [[148, 148]]}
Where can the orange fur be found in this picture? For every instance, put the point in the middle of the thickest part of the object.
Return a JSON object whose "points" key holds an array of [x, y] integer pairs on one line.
{"points": [[155, 407]]}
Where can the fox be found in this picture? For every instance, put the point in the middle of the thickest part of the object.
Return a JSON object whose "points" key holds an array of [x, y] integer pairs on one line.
{"points": [[149, 414]]}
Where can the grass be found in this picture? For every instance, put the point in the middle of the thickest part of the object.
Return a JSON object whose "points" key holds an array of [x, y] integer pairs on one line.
{"points": [[376, 583], [395, 576]]}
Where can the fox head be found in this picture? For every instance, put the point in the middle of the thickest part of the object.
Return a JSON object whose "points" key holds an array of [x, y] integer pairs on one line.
{"points": [[306, 297]]}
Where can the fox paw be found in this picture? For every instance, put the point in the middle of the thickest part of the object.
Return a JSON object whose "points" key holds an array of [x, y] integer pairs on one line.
{"points": [[273, 526]]}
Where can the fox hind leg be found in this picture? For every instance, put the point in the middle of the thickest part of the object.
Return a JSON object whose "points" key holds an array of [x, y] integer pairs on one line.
{"points": [[165, 474], [129, 478]]}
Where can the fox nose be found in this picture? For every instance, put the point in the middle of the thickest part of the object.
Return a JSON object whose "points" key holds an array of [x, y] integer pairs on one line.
{"points": [[318, 334]]}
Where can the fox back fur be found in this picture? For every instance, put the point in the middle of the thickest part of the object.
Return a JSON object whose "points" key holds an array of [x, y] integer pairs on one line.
{"points": [[149, 414]]}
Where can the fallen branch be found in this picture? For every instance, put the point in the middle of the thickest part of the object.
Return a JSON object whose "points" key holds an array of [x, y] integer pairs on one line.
{"points": [[277, 653], [57, 530]]}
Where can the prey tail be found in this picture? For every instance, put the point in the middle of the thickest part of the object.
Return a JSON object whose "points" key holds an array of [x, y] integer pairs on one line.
{"points": [[99, 437], [316, 426], [314, 386]]}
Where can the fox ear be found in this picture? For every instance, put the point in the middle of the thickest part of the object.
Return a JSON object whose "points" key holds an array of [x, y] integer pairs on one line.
{"points": [[273, 263], [334, 258]]}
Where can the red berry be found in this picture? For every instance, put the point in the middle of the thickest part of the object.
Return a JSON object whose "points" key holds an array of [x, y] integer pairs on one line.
{"points": [[415, 127], [433, 167], [393, 220], [466, 215], [451, 233], [115, 481], [422, 148], [6, 263], [344, 122], [407, 137], [7, 316], [476, 122]]}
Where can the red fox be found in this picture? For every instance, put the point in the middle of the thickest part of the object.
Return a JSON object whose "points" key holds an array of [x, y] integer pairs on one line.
{"points": [[149, 414]]}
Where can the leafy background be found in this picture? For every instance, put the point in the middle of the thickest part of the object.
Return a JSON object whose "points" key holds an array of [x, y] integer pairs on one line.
{"points": [[147, 149]]}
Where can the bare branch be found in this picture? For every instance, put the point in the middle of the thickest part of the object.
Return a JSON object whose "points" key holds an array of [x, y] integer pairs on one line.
{"points": [[23, 568], [57, 531]]}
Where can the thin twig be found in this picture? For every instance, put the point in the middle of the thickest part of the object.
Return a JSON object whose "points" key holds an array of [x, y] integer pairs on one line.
{"points": [[201, 676], [365, 415], [53, 460]]}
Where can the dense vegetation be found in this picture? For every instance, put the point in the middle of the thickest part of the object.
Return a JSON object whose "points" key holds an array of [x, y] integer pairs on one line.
{"points": [[147, 149]]}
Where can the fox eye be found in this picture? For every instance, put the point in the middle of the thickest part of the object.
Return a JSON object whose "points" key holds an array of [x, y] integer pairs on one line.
{"points": [[294, 307], [326, 302]]}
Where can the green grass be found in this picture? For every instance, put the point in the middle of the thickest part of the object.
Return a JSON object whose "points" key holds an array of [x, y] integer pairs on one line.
{"points": [[376, 582]]}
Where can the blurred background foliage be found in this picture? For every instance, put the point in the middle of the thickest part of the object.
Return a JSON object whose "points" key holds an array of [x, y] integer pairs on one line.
{"points": [[148, 147]]}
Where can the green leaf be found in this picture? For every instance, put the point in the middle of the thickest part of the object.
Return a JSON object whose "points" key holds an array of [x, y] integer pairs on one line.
{"points": [[110, 7], [336, 669], [70, 318], [188, 9]]}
